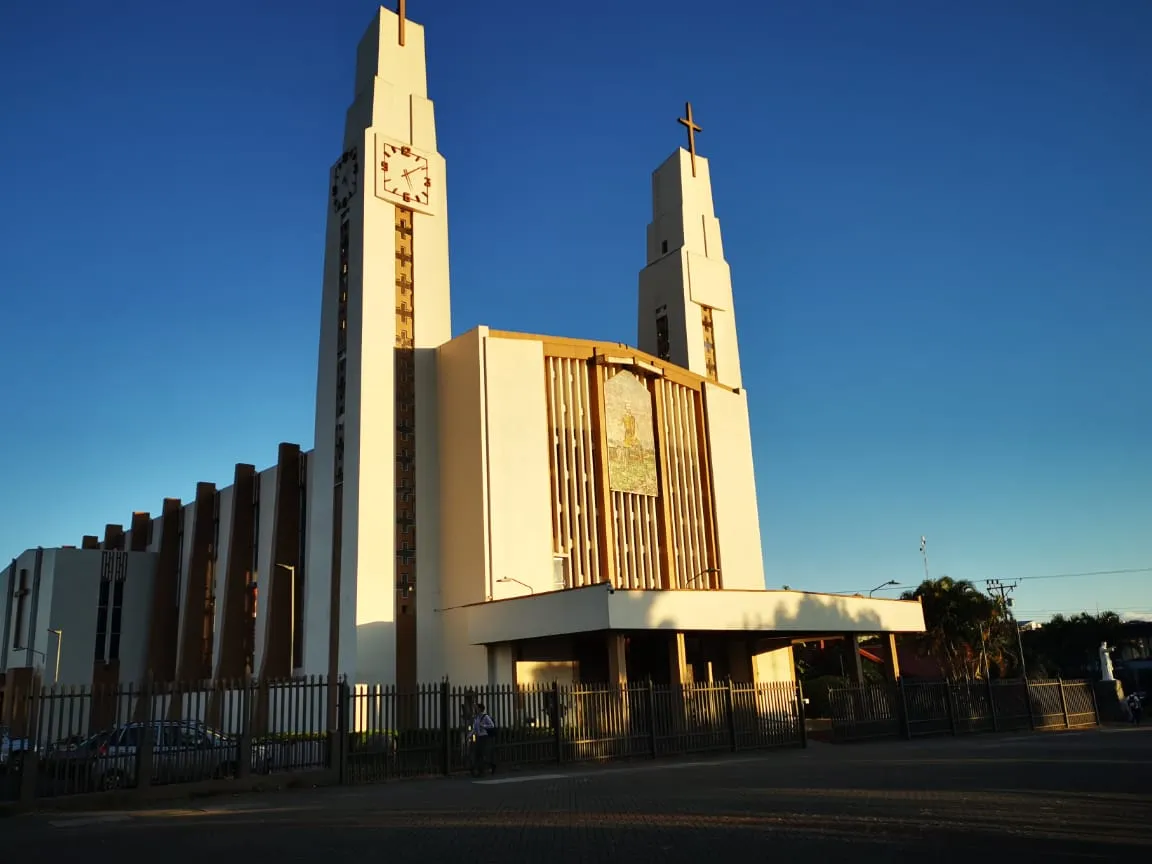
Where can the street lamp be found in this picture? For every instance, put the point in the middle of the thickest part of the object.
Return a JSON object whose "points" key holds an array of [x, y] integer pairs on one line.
{"points": [[883, 585], [292, 616], [517, 581], [59, 634], [701, 573]]}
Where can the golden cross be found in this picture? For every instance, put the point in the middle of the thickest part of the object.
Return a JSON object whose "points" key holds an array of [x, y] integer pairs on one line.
{"points": [[403, 13], [692, 130]]}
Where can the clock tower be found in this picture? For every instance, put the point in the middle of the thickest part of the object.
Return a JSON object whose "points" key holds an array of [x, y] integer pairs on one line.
{"points": [[372, 569]]}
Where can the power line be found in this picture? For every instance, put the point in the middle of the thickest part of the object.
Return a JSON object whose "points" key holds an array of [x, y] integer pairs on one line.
{"points": [[1030, 578], [995, 586]]}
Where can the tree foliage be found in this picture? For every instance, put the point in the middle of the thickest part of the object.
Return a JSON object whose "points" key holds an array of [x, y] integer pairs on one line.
{"points": [[1069, 646], [967, 632]]}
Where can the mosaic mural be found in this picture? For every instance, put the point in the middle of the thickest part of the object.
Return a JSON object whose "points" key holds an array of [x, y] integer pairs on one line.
{"points": [[629, 430]]}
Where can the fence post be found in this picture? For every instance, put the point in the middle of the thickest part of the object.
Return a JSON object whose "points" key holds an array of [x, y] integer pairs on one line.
{"points": [[950, 707], [145, 753], [1064, 703], [27, 763], [732, 716], [801, 715], [992, 705], [557, 731], [902, 708], [445, 728], [652, 718], [340, 738], [244, 739]]}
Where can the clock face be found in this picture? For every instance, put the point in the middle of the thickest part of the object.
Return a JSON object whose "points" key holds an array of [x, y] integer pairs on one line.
{"points": [[345, 179], [404, 174]]}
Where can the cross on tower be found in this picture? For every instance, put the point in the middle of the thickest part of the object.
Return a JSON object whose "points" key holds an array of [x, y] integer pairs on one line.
{"points": [[692, 130]]}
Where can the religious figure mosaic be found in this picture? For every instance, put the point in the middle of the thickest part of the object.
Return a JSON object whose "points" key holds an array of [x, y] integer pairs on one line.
{"points": [[628, 425]]}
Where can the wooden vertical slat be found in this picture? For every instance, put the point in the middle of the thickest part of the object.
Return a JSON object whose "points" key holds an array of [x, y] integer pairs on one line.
{"points": [[664, 501], [703, 439], [141, 531], [114, 538], [284, 568], [603, 493], [189, 664], [232, 661], [164, 622]]}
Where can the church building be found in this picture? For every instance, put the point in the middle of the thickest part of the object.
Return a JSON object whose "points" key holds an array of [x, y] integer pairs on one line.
{"points": [[497, 507]]}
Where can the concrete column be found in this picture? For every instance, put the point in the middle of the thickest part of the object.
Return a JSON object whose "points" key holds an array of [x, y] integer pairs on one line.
{"points": [[740, 661], [892, 660], [617, 660], [501, 664], [853, 664], [679, 671]]}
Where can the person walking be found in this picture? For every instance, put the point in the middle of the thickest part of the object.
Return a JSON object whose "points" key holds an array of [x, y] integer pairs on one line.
{"points": [[1135, 708], [483, 742]]}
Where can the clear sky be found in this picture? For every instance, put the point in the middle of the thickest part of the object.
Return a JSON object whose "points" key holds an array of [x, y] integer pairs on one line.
{"points": [[937, 215]]}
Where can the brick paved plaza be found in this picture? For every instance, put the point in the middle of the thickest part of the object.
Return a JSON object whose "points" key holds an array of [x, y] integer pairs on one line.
{"points": [[1071, 796]]}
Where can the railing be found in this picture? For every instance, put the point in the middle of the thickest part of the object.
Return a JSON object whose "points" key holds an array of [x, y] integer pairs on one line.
{"points": [[913, 709], [79, 740], [392, 734], [100, 739]]}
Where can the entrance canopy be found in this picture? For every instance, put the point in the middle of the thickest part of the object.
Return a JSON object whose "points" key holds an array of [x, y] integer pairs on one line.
{"points": [[598, 608]]}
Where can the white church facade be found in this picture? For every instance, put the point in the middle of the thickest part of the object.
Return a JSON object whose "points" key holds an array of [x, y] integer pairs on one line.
{"points": [[497, 507]]}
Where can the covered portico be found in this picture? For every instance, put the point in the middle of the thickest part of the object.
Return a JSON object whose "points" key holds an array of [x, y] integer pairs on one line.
{"points": [[599, 634]]}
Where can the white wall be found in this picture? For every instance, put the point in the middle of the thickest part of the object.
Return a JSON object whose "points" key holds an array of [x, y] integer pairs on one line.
{"points": [[734, 489], [69, 593], [139, 588], [264, 561], [188, 524], [596, 608], [74, 581], [774, 664], [464, 558], [226, 496], [519, 475], [12, 639]]}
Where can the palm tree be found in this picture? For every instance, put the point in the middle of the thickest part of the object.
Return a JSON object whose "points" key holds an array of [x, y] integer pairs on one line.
{"points": [[962, 626]]}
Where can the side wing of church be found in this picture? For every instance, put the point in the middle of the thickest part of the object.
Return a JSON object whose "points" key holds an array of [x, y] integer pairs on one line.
{"points": [[498, 507]]}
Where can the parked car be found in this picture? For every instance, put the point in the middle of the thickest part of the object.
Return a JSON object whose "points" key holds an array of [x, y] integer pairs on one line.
{"points": [[9, 748], [183, 751]]}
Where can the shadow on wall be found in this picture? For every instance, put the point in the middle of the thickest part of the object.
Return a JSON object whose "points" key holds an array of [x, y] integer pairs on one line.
{"points": [[800, 613], [376, 651]]}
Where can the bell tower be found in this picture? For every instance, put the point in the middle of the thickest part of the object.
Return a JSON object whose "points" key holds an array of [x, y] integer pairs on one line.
{"points": [[372, 564], [686, 314]]}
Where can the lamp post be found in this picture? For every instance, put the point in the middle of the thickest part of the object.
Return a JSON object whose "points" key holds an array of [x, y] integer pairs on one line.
{"points": [[517, 581], [883, 585], [701, 573], [292, 617], [59, 634]]}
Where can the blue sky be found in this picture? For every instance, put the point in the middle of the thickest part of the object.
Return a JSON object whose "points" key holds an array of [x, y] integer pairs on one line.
{"points": [[937, 217]]}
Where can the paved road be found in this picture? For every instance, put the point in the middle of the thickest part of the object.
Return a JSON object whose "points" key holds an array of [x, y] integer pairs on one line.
{"points": [[1059, 797]]}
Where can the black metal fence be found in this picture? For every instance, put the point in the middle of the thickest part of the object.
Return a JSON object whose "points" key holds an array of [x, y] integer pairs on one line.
{"points": [[913, 709], [77, 740], [426, 733]]}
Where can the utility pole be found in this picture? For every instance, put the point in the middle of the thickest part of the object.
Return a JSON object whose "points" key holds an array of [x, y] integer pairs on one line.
{"points": [[996, 587]]}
